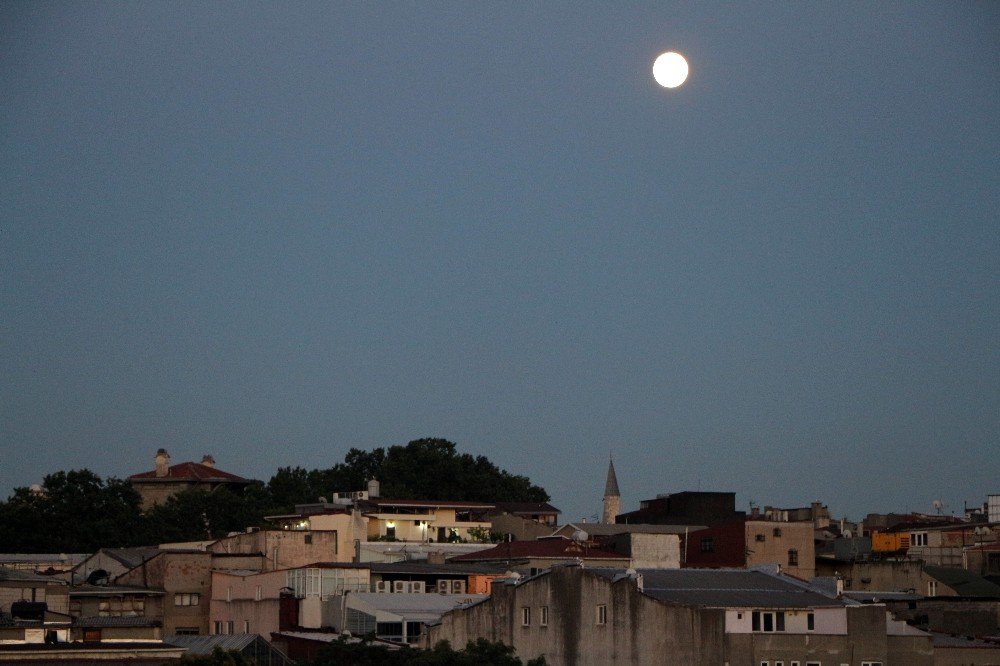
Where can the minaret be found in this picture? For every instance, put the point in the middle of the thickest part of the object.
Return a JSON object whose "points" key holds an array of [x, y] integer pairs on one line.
{"points": [[612, 496]]}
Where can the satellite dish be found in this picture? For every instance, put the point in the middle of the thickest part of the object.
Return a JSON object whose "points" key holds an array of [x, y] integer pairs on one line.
{"points": [[847, 534], [580, 535]]}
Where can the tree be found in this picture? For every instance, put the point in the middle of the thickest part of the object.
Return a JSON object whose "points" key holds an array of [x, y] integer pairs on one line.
{"points": [[193, 515], [75, 511]]}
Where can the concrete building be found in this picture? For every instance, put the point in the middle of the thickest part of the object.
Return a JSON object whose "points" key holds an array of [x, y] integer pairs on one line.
{"points": [[685, 508], [424, 520], [156, 485], [748, 543], [397, 618], [531, 557], [288, 548], [575, 616], [185, 579]]}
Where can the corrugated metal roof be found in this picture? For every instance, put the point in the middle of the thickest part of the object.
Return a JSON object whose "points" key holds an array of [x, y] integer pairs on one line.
{"points": [[205, 644]]}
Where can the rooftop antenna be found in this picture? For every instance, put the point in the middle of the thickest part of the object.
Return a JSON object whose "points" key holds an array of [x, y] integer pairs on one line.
{"points": [[938, 506]]}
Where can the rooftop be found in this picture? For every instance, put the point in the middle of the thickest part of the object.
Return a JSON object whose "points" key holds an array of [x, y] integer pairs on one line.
{"points": [[189, 471]]}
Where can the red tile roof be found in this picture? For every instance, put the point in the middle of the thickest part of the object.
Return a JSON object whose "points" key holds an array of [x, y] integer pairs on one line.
{"points": [[541, 548], [190, 471]]}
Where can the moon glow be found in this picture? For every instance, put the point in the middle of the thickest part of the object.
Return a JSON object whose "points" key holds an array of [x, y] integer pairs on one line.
{"points": [[670, 69]]}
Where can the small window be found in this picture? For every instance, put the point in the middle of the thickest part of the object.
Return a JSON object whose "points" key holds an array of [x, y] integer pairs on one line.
{"points": [[217, 628], [525, 616], [708, 545], [793, 663], [810, 622], [246, 626], [602, 614], [777, 533], [760, 537], [543, 616], [257, 594], [767, 621], [308, 538], [390, 532], [932, 588], [187, 599], [187, 631], [793, 557]]}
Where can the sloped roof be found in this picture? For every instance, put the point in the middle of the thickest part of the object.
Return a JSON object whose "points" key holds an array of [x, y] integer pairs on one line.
{"points": [[726, 588], [190, 471], [610, 529], [527, 507], [425, 568], [965, 583], [379, 502], [554, 548], [29, 577], [131, 557], [205, 644]]}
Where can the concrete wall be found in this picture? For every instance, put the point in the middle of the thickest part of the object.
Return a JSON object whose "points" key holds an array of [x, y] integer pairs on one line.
{"points": [[966, 656], [523, 529], [252, 599], [177, 573], [56, 596], [283, 549], [638, 631], [778, 539], [877, 575]]}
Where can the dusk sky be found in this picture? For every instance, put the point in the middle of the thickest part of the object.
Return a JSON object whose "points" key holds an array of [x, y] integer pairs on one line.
{"points": [[275, 231]]}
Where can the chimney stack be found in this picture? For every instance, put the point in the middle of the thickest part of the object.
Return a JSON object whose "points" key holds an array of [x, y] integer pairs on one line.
{"points": [[162, 463], [208, 461]]}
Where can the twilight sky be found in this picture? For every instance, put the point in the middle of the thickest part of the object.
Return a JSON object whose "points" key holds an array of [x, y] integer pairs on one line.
{"points": [[274, 231]]}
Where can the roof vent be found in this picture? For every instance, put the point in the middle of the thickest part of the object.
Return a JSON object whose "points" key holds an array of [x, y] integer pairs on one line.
{"points": [[208, 461]]}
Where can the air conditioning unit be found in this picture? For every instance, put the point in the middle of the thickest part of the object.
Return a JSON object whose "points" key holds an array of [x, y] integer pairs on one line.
{"points": [[444, 587], [399, 586], [458, 587], [417, 587], [383, 586]]}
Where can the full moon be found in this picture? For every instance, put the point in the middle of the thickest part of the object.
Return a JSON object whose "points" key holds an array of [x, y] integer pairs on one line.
{"points": [[670, 69]]}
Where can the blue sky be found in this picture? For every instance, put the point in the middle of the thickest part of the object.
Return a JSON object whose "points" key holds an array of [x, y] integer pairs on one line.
{"points": [[272, 232]]}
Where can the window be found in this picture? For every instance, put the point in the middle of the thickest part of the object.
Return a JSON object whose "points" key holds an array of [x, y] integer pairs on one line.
{"points": [[257, 594], [308, 539], [186, 631], [793, 557], [708, 545], [767, 621], [918, 538], [543, 616], [229, 593], [814, 663], [793, 663], [246, 626], [871, 663], [932, 588], [777, 533], [810, 622], [760, 537], [602, 614], [187, 599], [390, 532], [525, 616], [230, 627], [91, 635]]}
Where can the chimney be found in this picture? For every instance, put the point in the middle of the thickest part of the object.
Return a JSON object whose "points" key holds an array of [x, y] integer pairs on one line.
{"points": [[208, 461], [373, 489], [162, 463]]}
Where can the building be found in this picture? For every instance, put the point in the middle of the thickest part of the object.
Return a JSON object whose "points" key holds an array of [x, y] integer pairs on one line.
{"points": [[580, 616], [425, 520], [685, 508], [396, 618], [531, 557], [524, 520], [156, 485], [749, 543], [288, 548]]}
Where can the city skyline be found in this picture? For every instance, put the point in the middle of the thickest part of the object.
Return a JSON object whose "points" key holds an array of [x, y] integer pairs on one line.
{"points": [[274, 233]]}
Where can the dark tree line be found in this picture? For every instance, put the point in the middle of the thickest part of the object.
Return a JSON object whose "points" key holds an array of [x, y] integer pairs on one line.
{"points": [[78, 512]]}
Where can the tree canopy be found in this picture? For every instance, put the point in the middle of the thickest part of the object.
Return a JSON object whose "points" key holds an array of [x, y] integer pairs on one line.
{"points": [[77, 511]]}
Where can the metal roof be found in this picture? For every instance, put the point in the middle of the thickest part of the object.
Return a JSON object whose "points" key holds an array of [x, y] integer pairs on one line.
{"points": [[205, 644], [726, 588], [965, 583], [124, 621]]}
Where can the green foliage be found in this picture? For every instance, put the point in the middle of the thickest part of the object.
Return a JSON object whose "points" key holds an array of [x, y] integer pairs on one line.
{"points": [[423, 469], [484, 535], [75, 512], [79, 512]]}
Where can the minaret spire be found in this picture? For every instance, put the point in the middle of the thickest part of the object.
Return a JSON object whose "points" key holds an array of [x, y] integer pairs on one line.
{"points": [[612, 496]]}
